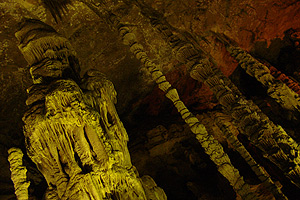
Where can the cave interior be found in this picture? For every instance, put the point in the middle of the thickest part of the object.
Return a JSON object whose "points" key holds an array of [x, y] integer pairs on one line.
{"points": [[161, 144]]}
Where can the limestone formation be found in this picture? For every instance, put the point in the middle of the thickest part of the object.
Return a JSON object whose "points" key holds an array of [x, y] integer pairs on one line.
{"points": [[73, 133], [293, 84], [276, 89], [152, 191], [263, 176], [202, 69], [75, 137], [251, 121], [211, 146], [18, 173], [223, 123]]}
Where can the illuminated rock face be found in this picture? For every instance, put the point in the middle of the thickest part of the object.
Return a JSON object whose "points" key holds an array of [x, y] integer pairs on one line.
{"points": [[72, 130]]}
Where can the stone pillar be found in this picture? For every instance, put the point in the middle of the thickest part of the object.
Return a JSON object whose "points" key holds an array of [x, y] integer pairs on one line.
{"points": [[72, 130]]}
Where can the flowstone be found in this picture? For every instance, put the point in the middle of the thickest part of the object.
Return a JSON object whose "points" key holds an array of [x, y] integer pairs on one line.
{"points": [[72, 130]]}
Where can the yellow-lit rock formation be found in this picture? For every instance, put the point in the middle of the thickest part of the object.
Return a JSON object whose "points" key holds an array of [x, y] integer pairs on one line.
{"points": [[73, 133]]}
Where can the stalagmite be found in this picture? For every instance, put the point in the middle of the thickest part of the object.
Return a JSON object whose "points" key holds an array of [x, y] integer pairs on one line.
{"points": [[239, 147], [18, 173], [276, 89], [259, 129], [77, 141], [211, 146], [72, 131]]}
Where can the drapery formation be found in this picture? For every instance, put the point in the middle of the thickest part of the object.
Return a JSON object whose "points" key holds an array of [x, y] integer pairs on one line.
{"points": [[72, 131]]}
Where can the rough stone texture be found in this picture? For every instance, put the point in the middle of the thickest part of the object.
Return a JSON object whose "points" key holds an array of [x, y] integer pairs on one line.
{"points": [[256, 26], [72, 130], [18, 173]]}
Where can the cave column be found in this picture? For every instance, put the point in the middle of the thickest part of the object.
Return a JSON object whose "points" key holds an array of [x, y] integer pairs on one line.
{"points": [[72, 131], [251, 121], [211, 146]]}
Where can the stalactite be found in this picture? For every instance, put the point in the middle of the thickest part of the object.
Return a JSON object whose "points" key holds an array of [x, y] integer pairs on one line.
{"points": [[255, 125], [18, 173], [223, 123], [273, 140], [211, 146], [73, 134], [239, 147], [48, 54], [251, 121], [277, 90]]}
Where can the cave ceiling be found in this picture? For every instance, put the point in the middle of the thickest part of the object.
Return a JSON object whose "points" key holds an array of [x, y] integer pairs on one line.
{"points": [[268, 29]]}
